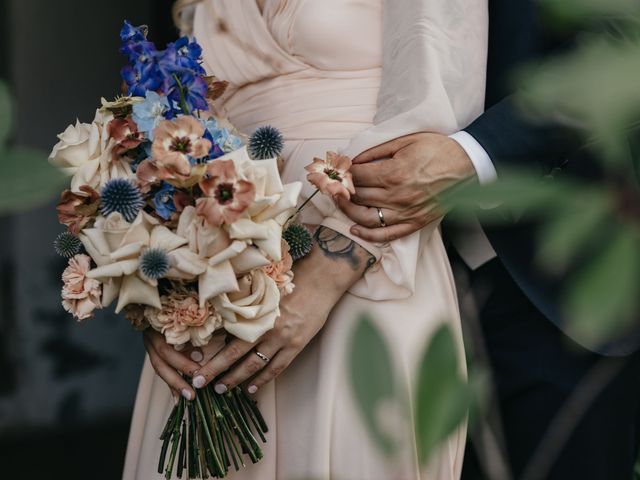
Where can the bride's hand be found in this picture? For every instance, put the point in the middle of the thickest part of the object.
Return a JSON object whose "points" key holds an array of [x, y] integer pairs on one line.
{"points": [[303, 313], [167, 362]]}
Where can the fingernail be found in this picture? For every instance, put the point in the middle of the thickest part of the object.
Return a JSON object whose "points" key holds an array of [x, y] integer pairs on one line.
{"points": [[186, 394], [197, 356], [199, 381], [355, 231], [220, 388], [252, 389]]}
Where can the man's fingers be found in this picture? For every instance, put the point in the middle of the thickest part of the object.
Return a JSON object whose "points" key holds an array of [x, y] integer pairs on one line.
{"points": [[370, 175], [249, 367], [371, 197], [368, 216], [276, 366], [167, 373], [384, 234], [221, 362], [385, 150]]}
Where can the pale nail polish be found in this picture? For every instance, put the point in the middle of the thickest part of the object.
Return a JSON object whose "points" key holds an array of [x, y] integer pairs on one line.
{"points": [[186, 394], [252, 389], [197, 356], [220, 388], [199, 381]]}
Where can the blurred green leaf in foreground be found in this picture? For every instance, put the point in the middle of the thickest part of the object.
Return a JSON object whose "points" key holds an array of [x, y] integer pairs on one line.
{"points": [[26, 178], [441, 398]]}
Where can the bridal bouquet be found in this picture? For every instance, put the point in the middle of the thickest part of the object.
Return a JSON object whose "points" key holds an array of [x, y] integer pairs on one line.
{"points": [[170, 215]]}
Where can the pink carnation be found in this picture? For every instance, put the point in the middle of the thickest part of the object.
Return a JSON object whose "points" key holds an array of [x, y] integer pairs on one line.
{"points": [[181, 319], [281, 272], [80, 294]]}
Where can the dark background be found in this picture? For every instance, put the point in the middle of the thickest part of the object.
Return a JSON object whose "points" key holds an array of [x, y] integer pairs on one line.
{"points": [[66, 390]]}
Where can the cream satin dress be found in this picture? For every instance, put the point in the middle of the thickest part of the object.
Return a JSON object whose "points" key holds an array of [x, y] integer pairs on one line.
{"points": [[312, 68]]}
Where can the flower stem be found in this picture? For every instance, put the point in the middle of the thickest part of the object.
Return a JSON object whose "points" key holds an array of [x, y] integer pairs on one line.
{"points": [[299, 209], [183, 100]]}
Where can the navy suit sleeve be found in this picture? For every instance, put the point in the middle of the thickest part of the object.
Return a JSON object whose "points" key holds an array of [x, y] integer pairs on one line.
{"points": [[512, 140], [517, 35]]}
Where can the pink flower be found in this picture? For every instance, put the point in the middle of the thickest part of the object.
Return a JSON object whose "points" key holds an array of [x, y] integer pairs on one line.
{"points": [[332, 176], [77, 209], [125, 132], [177, 140], [80, 294], [281, 273], [181, 319], [226, 196]]}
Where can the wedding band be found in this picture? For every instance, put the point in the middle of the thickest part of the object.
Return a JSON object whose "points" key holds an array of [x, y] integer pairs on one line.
{"points": [[262, 356], [381, 217]]}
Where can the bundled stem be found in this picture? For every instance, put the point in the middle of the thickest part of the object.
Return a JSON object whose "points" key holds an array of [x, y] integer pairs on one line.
{"points": [[206, 436]]}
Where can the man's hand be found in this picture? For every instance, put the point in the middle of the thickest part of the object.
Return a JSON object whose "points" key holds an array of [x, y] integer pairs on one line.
{"points": [[405, 184]]}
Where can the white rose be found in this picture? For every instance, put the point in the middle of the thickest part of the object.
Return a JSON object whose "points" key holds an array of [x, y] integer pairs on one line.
{"points": [[85, 152], [252, 311], [80, 143]]}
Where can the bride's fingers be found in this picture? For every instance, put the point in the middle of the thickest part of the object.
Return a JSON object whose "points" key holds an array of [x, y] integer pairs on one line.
{"points": [[169, 375], [276, 366], [178, 360], [222, 361], [249, 366]]}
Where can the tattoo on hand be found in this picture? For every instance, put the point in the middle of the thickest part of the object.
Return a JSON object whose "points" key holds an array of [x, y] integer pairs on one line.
{"points": [[338, 247]]}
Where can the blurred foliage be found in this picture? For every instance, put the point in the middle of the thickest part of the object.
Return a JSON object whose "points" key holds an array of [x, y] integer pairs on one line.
{"points": [[26, 178], [372, 378], [589, 229], [441, 399]]}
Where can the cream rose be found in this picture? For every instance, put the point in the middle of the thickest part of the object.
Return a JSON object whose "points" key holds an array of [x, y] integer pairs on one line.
{"points": [[252, 311], [85, 152]]}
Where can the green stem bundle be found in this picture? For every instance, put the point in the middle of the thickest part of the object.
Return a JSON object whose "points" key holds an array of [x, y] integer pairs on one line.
{"points": [[208, 435]]}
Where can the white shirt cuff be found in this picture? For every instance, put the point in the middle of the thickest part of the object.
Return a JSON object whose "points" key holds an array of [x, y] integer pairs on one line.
{"points": [[479, 157]]}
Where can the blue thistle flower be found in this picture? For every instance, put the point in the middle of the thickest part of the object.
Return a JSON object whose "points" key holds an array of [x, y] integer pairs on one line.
{"points": [[154, 263], [265, 142], [67, 245], [299, 240], [122, 196]]}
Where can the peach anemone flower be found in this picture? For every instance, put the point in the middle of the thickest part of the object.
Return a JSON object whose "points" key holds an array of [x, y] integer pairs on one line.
{"points": [[331, 176], [175, 141], [226, 196]]}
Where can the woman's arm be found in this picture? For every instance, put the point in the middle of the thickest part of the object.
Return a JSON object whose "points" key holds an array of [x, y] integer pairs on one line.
{"points": [[334, 264]]}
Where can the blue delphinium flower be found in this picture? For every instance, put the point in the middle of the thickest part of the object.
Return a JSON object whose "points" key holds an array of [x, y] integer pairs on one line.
{"points": [[129, 33], [221, 137], [150, 113], [194, 90], [141, 78], [175, 72], [163, 201], [184, 55]]}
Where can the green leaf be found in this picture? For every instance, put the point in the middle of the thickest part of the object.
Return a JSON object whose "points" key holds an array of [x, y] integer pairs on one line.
{"points": [[442, 396], [372, 377], [578, 10], [27, 180], [5, 114], [516, 192], [602, 300], [571, 229]]}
